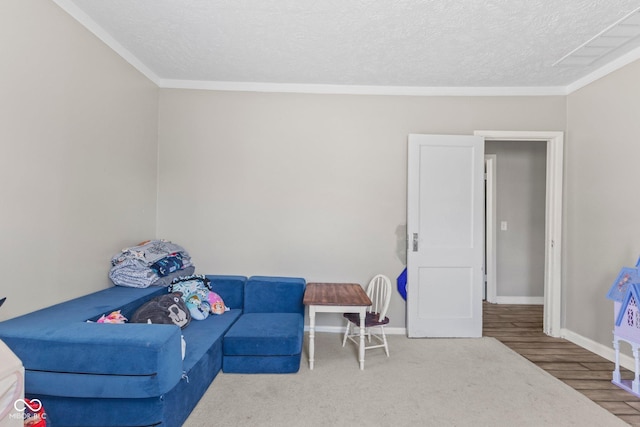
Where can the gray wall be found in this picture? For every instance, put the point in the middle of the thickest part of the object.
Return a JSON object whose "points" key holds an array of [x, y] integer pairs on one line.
{"points": [[307, 185], [78, 135], [602, 225], [520, 201]]}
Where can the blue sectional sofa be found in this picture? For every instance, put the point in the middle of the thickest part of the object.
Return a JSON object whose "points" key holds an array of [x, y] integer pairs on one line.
{"points": [[132, 375]]}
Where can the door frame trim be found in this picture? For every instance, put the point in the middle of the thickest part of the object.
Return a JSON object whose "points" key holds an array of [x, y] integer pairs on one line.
{"points": [[553, 219], [490, 221]]}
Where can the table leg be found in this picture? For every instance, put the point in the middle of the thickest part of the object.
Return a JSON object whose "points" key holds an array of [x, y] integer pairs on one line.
{"points": [[361, 348], [312, 334]]}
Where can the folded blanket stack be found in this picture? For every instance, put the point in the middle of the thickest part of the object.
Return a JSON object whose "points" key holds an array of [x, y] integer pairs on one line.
{"points": [[154, 262]]}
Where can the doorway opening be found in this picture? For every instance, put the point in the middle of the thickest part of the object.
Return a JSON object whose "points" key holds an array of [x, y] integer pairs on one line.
{"points": [[553, 220]]}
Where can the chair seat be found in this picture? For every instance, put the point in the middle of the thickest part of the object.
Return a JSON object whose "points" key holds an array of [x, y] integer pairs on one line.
{"points": [[370, 320]]}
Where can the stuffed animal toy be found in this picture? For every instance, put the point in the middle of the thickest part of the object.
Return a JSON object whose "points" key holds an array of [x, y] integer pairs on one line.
{"points": [[197, 294], [216, 303], [113, 317], [198, 306], [164, 309]]}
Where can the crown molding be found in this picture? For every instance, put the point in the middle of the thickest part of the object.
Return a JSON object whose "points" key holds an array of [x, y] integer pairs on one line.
{"points": [[360, 90], [76, 13]]}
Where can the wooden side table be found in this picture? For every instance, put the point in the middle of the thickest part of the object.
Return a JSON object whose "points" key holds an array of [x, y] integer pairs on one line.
{"points": [[335, 298]]}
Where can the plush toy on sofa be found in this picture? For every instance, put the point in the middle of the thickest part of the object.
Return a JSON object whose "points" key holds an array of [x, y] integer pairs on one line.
{"points": [[113, 317], [216, 303], [198, 296], [198, 306], [163, 309]]}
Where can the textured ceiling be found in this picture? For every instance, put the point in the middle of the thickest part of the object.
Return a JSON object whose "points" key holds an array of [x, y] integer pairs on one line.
{"points": [[415, 43]]}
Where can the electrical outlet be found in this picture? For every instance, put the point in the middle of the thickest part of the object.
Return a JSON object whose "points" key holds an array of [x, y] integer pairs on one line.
{"points": [[503, 225]]}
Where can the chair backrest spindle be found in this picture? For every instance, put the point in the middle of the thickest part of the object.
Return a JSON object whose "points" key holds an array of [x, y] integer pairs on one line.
{"points": [[379, 291]]}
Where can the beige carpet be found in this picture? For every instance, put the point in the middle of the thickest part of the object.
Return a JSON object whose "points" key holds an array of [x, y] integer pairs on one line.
{"points": [[425, 382]]}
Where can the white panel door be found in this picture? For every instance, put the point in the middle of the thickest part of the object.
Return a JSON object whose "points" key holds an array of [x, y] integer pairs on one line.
{"points": [[445, 214]]}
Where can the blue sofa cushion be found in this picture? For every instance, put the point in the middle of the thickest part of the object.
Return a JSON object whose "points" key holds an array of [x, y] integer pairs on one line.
{"points": [[105, 360], [169, 409], [200, 335], [66, 356], [230, 289], [274, 295], [59, 339], [265, 334], [261, 364]]}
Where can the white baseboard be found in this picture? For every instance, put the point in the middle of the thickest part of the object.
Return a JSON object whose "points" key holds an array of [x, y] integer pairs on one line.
{"points": [[520, 300], [601, 350], [340, 330]]}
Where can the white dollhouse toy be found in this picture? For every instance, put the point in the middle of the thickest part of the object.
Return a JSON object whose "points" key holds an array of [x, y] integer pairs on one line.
{"points": [[625, 293]]}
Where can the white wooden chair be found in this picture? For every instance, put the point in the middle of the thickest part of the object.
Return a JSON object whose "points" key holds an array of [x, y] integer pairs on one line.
{"points": [[379, 291]]}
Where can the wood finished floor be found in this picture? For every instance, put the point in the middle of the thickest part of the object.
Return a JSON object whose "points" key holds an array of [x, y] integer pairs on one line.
{"points": [[520, 328]]}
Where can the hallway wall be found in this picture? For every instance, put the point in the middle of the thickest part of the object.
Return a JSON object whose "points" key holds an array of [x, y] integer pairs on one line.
{"points": [[520, 201]]}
